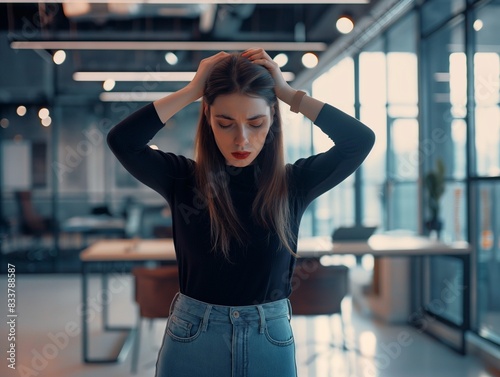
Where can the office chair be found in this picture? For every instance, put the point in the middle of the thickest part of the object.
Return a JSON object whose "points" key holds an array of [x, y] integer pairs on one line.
{"points": [[31, 223], [35, 226], [134, 221], [154, 291], [319, 290]]}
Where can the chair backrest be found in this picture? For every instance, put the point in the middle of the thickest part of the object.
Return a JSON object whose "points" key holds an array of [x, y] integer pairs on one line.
{"points": [[133, 223], [31, 222], [318, 289], [155, 224], [155, 289]]}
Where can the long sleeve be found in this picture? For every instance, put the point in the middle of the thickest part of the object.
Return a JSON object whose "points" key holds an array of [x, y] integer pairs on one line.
{"points": [[353, 141], [128, 140]]}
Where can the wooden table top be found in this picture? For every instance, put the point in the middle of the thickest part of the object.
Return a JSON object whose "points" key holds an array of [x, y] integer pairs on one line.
{"points": [[377, 245]]}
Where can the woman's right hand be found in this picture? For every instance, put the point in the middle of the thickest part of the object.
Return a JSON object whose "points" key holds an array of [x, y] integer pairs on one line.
{"points": [[204, 69]]}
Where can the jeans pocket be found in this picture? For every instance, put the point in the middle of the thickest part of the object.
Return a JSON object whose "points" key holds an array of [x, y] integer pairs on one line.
{"points": [[183, 329], [279, 331]]}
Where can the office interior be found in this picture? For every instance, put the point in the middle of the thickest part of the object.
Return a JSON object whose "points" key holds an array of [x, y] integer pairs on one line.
{"points": [[422, 74]]}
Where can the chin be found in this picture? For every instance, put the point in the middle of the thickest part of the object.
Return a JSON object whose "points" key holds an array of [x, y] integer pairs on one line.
{"points": [[240, 163]]}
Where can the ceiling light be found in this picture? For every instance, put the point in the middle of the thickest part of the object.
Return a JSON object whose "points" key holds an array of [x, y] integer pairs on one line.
{"points": [[309, 60], [345, 24], [75, 9], [21, 111], [207, 1], [478, 25], [43, 113], [147, 76], [108, 84], [132, 96], [59, 57], [4, 123], [207, 18], [281, 59], [46, 121], [168, 46], [134, 76], [171, 58]]}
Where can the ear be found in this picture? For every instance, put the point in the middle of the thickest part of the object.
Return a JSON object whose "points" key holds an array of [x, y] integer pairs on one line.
{"points": [[273, 113], [206, 111]]}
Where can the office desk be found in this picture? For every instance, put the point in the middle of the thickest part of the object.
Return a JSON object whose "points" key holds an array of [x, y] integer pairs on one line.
{"points": [[118, 250], [94, 224], [386, 245], [381, 245], [106, 253]]}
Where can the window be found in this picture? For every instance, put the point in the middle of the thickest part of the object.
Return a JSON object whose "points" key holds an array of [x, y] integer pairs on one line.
{"points": [[373, 112], [335, 207], [486, 170], [403, 131], [444, 139]]}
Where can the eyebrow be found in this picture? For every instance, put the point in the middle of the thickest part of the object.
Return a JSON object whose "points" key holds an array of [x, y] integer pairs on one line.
{"points": [[258, 116]]}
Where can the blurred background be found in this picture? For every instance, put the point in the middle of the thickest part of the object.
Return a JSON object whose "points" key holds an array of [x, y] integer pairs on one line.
{"points": [[423, 74]]}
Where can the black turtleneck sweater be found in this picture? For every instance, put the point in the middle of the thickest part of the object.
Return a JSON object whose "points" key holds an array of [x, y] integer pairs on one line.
{"points": [[261, 270]]}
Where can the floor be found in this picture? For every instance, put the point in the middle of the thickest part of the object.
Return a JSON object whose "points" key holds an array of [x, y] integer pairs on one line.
{"points": [[48, 337]]}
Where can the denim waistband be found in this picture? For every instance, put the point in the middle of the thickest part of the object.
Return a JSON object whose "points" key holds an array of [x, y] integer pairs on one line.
{"points": [[231, 314]]}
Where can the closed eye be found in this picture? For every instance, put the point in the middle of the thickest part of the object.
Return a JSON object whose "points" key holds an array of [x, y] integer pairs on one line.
{"points": [[253, 125]]}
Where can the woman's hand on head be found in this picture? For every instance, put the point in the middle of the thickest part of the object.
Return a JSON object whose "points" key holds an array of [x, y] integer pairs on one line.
{"points": [[259, 56], [203, 71]]}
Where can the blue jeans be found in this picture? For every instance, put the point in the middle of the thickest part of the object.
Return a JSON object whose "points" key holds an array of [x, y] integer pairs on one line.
{"points": [[202, 339]]}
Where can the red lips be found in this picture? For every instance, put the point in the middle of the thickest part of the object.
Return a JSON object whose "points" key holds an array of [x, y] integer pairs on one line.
{"points": [[240, 155]]}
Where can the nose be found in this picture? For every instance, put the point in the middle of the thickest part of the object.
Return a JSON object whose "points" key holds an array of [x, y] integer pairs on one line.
{"points": [[241, 137]]}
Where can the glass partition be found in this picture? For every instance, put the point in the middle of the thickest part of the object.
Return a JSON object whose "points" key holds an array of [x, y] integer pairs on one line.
{"points": [[27, 219], [336, 207], [403, 132], [373, 112], [443, 143], [486, 169]]}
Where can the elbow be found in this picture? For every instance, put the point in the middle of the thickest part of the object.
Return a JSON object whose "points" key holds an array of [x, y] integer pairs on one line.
{"points": [[112, 140], [365, 144], [370, 138]]}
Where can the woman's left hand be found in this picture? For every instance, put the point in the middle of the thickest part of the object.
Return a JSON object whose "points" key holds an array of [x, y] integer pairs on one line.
{"points": [[259, 56]]}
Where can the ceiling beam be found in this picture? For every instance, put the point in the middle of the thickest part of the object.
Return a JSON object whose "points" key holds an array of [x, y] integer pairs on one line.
{"points": [[147, 76], [167, 46], [200, 1], [383, 14]]}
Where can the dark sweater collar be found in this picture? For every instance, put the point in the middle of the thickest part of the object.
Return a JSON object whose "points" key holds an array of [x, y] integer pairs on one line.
{"points": [[247, 175]]}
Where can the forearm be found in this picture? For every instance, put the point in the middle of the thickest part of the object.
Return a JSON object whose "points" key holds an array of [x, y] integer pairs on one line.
{"points": [[168, 106], [309, 107], [351, 137]]}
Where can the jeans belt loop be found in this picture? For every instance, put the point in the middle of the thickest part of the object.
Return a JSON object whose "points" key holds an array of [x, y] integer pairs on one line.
{"points": [[289, 309], [173, 303], [262, 319], [204, 325]]}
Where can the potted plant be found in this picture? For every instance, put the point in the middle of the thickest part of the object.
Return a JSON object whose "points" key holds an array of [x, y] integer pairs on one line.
{"points": [[435, 186]]}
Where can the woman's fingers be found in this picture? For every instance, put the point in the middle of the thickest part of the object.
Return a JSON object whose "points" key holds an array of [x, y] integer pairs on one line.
{"points": [[214, 58], [205, 67], [256, 53], [261, 57]]}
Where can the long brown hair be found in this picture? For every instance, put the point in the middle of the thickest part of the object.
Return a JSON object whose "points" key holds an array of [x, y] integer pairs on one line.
{"points": [[270, 209]]}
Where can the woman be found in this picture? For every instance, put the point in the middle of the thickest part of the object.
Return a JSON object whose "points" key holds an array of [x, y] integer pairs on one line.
{"points": [[236, 211]]}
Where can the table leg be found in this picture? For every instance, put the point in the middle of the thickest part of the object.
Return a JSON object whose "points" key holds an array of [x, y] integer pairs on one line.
{"points": [[465, 302], [105, 306], [465, 325], [131, 332]]}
